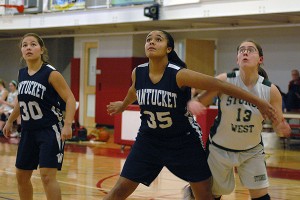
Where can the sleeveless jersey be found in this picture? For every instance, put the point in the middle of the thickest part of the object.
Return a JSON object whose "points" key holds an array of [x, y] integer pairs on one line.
{"points": [[163, 105], [1, 93], [38, 100], [238, 125], [10, 99]]}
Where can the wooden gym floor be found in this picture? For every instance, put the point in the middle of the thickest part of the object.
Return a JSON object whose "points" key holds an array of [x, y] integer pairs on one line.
{"points": [[91, 169]]}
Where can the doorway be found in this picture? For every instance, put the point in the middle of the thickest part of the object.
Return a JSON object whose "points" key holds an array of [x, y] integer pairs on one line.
{"points": [[89, 87]]}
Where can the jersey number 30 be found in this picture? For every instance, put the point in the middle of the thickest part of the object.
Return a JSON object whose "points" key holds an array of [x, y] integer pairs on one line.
{"points": [[161, 119], [31, 110]]}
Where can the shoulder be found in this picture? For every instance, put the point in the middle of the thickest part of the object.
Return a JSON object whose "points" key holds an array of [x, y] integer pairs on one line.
{"points": [[175, 67], [49, 67], [23, 69], [222, 76], [231, 76], [274, 89], [276, 97], [268, 83], [140, 68], [142, 65]]}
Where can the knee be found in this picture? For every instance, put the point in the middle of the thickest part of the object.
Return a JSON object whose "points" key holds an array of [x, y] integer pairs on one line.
{"points": [[228, 190], [223, 189], [46, 179]]}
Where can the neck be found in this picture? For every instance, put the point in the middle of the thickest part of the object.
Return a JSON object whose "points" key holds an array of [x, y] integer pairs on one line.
{"points": [[34, 65], [157, 65], [249, 77]]}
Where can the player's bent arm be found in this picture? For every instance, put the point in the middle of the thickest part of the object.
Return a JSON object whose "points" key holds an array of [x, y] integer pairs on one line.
{"points": [[14, 114], [12, 117], [194, 79], [60, 85], [120, 106], [281, 127], [131, 94]]}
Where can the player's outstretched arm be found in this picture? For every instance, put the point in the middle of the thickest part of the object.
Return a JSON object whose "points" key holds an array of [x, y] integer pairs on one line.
{"points": [[197, 80]]}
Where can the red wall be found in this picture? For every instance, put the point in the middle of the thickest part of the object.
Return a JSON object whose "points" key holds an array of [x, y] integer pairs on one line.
{"points": [[112, 84], [75, 81]]}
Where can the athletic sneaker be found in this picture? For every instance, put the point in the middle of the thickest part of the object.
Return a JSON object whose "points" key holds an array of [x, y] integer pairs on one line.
{"points": [[187, 193]]}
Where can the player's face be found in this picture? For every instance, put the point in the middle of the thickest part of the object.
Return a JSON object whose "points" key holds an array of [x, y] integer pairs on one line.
{"points": [[12, 87], [156, 45], [31, 49], [248, 55]]}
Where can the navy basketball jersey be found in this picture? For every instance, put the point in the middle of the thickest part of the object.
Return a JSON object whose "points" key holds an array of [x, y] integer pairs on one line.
{"points": [[38, 100], [163, 105]]}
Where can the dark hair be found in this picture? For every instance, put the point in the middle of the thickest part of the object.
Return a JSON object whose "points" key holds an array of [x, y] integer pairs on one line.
{"points": [[263, 73], [2, 82], [172, 56], [44, 56], [15, 83]]}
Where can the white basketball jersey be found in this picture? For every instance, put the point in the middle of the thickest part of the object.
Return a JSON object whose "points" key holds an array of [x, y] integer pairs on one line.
{"points": [[238, 125]]}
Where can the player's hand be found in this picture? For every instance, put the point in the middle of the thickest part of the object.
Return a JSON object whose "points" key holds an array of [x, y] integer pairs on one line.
{"points": [[195, 107], [283, 129], [115, 107], [268, 111], [66, 133], [7, 129]]}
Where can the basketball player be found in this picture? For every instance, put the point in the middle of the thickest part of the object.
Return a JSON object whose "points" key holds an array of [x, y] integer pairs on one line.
{"points": [[43, 129], [168, 135], [235, 137], [3, 91]]}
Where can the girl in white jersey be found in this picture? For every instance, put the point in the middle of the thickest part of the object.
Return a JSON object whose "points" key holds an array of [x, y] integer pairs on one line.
{"points": [[3, 91], [167, 133], [8, 105], [235, 138]]}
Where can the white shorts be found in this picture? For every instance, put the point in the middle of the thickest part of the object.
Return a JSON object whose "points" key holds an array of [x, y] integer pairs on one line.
{"points": [[250, 164]]}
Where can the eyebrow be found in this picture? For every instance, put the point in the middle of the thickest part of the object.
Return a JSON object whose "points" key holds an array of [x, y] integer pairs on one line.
{"points": [[247, 47], [157, 35]]}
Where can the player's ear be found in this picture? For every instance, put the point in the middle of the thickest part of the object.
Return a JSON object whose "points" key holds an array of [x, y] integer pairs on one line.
{"points": [[169, 49]]}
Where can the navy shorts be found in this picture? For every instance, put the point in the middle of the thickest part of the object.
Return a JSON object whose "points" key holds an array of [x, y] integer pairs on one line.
{"points": [[182, 155], [42, 147]]}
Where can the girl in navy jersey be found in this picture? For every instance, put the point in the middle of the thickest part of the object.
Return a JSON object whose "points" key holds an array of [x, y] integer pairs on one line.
{"points": [[235, 137], [44, 131], [168, 136]]}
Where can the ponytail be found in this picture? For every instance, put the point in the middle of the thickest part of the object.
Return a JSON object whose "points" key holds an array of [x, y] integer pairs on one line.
{"points": [[172, 56], [263, 73]]}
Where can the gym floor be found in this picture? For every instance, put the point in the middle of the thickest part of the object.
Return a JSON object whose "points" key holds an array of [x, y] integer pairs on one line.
{"points": [[90, 169]]}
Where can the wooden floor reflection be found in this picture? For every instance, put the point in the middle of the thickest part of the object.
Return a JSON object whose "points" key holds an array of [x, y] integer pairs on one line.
{"points": [[91, 169]]}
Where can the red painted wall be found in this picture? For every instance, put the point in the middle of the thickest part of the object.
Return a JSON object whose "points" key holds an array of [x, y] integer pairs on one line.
{"points": [[112, 84], [75, 81]]}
